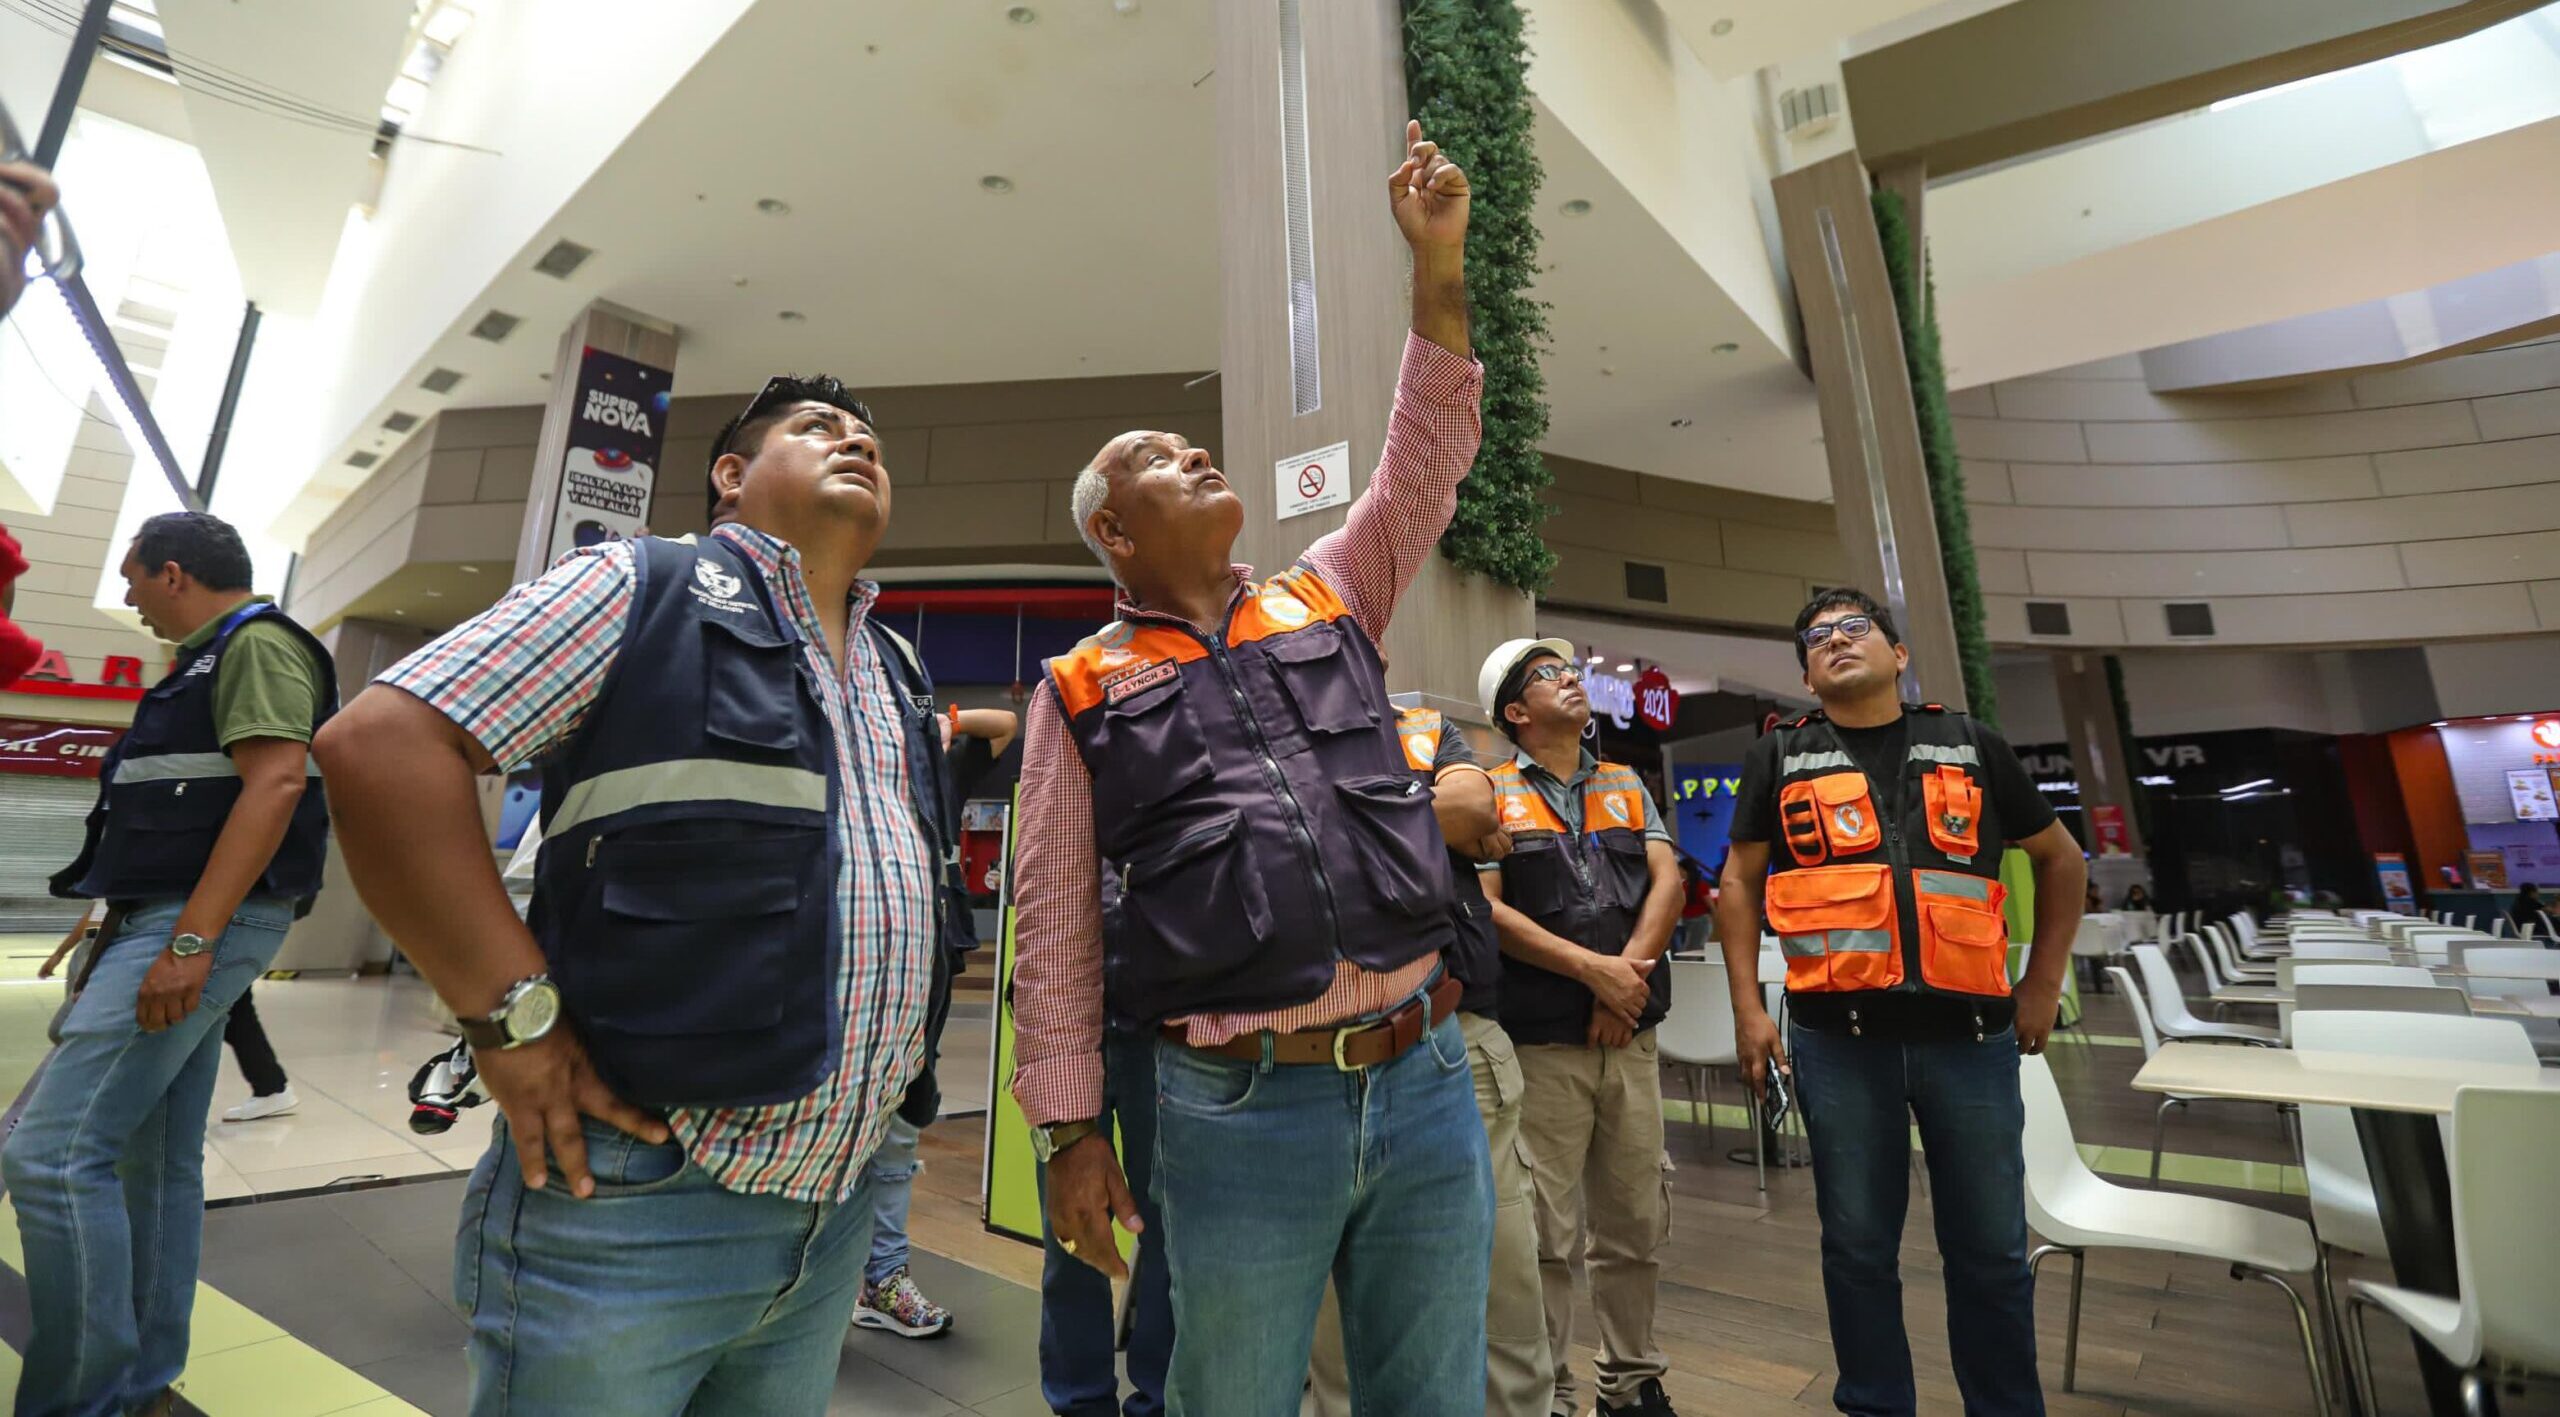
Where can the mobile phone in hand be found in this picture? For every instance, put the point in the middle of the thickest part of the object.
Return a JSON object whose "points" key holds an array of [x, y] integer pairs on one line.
{"points": [[1775, 1100]]}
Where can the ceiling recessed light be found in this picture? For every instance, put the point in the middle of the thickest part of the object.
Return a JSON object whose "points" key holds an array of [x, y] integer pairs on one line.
{"points": [[435, 594], [399, 612], [1576, 207], [996, 183], [471, 570], [1720, 28], [739, 281], [1023, 15], [1124, 8], [1627, 668], [792, 317], [773, 206], [1608, 370], [1728, 347]]}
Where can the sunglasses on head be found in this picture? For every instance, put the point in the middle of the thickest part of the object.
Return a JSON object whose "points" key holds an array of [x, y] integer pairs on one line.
{"points": [[1848, 627], [56, 252]]}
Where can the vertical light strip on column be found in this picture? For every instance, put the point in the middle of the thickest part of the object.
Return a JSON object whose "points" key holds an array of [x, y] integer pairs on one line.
{"points": [[1870, 448], [1306, 373]]}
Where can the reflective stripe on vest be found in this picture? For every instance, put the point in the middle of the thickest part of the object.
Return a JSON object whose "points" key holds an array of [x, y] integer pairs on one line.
{"points": [[1806, 762], [688, 780], [1953, 883], [1962, 754], [166, 767], [1836, 941]]}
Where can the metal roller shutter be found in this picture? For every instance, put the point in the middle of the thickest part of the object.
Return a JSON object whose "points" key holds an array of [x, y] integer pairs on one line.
{"points": [[40, 828]]}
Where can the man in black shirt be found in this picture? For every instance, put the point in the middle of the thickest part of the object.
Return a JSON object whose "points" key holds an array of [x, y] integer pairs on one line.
{"points": [[1885, 824]]}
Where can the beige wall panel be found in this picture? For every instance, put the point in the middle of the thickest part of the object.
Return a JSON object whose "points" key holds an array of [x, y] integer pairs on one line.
{"points": [[2310, 435], [99, 522], [477, 531], [1729, 505], [2001, 572], [2368, 618], [489, 427], [2095, 620], [1595, 578], [2546, 603], [1810, 555], [2004, 440], [88, 491], [44, 544], [506, 474], [1988, 482], [2482, 375], [2207, 574], [1973, 403], [919, 405], [1593, 479], [2500, 464], [1649, 534], [2483, 559], [1053, 449], [2488, 512], [453, 475], [2129, 528], [2121, 366], [2132, 400], [936, 516], [2192, 484], [1059, 519], [2519, 415]]}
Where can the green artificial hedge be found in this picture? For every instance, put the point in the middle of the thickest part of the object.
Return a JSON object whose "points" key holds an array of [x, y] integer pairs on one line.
{"points": [[1915, 297], [1466, 76]]}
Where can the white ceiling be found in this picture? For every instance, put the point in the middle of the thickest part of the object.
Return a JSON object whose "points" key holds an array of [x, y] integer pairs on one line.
{"points": [[1762, 32]]}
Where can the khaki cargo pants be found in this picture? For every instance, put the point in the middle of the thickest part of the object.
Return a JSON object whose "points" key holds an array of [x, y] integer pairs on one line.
{"points": [[1592, 1119]]}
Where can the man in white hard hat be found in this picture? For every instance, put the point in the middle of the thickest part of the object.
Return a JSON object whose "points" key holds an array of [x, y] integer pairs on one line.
{"points": [[1584, 907]]}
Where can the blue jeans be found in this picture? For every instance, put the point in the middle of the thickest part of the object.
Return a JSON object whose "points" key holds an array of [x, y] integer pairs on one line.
{"points": [[107, 1170], [1079, 1374], [1273, 1177], [1860, 1096], [660, 1294], [893, 1171]]}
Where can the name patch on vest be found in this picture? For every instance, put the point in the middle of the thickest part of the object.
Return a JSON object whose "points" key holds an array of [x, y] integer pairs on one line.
{"points": [[203, 665], [1136, 679], [718, 589]]}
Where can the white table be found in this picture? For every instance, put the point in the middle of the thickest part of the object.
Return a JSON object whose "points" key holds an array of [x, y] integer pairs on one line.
{"points": [[2492, 1004], [2547, 968]]}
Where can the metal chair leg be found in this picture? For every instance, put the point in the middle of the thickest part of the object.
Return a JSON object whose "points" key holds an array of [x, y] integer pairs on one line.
{"points": [[2310, 1342], [2159, 1130], [2360, 1354], [2071, 1332], [1698, 1112], [2330, 1326]]}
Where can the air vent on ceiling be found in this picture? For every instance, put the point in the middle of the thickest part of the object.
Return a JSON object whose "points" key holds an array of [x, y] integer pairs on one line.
{"points": [[440, 381], [2048, 617], [362, 459], [401, 422], [1645, 582], [495, 326], [2189, 619], [1809, 112], [562, 258]]}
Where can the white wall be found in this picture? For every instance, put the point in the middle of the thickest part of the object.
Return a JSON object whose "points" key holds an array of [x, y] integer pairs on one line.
{"points": [[2498, 676]]}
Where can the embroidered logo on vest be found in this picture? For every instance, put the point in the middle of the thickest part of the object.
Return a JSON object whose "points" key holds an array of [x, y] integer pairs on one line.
{"points": [[1618, 808], [1284, 609], [1850, 820], [718, 589], [201, 666]]}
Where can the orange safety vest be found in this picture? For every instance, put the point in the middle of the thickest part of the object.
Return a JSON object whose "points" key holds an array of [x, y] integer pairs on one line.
{"points": [[1860, 901], [1588, 890]]}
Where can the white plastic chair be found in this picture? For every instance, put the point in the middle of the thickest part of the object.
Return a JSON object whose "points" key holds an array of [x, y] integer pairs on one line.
{"points": [[2076, 1210], [2234, 967], [2169, 1006], [2504, 1150], [2314, 972], [1698, 1034], [2544, 1032], [2150, 1045], [2382, 998]]}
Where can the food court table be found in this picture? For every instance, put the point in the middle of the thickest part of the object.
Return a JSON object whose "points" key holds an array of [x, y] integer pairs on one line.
{"points": [[2397, 1102], [2502, 1006]]}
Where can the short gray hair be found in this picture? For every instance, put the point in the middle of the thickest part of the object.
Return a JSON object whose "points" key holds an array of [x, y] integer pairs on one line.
{"points": [[1092, 488]]}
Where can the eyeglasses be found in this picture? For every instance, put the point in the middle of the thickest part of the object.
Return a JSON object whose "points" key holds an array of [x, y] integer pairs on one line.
{"points": [[1553, 673], [56, 252], [1853, 627]]}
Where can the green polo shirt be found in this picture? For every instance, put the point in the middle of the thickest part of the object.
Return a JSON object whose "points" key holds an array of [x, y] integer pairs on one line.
{"points": [[267, 686]]}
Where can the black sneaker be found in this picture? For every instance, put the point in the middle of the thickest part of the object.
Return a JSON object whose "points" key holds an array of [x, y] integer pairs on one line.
{"points": [[1650, 1401], [445, 1085]]}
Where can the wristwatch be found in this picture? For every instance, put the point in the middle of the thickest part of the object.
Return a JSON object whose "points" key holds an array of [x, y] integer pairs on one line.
{"points": [[1047, 1142], [530, 1010], [188, 944]]}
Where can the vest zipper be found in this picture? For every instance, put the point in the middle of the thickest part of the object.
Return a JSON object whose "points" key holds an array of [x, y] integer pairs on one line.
{"points": [[1299, 836]]}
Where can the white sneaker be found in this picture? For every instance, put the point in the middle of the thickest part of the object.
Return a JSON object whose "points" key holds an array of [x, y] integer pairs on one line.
{"points": [[274, 1104]]}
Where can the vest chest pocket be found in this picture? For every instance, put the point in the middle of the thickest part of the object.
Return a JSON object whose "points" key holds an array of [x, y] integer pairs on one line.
{"points": [[1964, 937], [1321, 680], [751, 685], [1623, 868], [1182, 901], [164, 710], [1397, 838], [1151, 747], [1537, 881], [1835, 924]]}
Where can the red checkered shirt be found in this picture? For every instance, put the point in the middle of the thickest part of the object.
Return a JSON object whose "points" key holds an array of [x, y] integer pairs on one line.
{"points": [[1057, 977]]}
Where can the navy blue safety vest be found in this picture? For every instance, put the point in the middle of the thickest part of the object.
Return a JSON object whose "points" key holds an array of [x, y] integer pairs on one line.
{"points": [[167, 787], [1475, 956], [684, 896], [1252, 802], [1863, 898], [1589, 889]]}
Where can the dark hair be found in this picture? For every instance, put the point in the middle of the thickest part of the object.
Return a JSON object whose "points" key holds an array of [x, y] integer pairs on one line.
{"points": [[1842, 597], [1516, 683], [204, 546], [744, 434]]}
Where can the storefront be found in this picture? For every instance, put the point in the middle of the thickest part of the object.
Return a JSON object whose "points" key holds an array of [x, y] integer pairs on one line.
{"points": [[2478, 807], [48, 781]]}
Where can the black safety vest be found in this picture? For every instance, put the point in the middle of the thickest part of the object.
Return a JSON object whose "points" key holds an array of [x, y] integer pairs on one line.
{"points": [[684, 896], [1589, 889], [1866, 901], [167, 787]]}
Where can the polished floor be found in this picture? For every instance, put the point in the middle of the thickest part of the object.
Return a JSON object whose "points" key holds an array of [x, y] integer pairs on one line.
{"points": [[328, 1247]]}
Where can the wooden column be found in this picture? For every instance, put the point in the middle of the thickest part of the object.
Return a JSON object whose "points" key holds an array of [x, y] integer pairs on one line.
{"points": [[1879, 485], [1351, 56], [2097, 745]]}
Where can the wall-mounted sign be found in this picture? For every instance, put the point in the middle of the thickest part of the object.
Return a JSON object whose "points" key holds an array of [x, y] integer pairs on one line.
{"points": [[1656, 701], [2114, 837], [2531, 789], [43, 749], [2488, 869], [2546, 740], [119, 677], [1702, 808], [2392, 870], [1311, 482], [617, 430], [1612, 698]]}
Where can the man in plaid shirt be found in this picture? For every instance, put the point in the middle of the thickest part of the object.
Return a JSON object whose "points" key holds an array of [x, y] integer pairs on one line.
{"points": [[614, 1260]]}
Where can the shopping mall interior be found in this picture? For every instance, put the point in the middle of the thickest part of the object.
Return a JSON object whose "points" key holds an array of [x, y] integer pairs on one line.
{"points": [[2184, 377]]}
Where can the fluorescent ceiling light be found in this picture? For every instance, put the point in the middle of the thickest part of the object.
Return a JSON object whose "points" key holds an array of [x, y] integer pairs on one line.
{"points": [[447, 24]]}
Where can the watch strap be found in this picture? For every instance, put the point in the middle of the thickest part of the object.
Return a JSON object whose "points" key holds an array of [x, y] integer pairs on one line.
{"points": [[1062, 1135], [483, 1034]]}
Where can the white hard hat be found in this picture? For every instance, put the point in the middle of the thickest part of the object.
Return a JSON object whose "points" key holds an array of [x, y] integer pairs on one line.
{"points": [[1506, 657]]}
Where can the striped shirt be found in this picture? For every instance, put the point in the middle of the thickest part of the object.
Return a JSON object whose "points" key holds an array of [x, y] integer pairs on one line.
{"points": [[1057, 976], [521, 678]]}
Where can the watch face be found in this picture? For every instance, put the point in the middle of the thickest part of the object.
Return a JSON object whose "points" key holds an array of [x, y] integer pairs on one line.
{"points": [[533, 1012], [188, 946]]}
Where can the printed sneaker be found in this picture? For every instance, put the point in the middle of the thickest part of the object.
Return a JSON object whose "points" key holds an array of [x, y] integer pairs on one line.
{"points": [[1649, 1401], [274, 1104], [445, 1085], [901, 1308]]}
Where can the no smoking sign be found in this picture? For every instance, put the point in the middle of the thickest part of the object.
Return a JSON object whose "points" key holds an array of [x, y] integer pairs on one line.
{"points": [[1311, 482]]}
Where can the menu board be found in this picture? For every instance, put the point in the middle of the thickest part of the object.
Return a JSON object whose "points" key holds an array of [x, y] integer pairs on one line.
{"points": [[2531, 789]]}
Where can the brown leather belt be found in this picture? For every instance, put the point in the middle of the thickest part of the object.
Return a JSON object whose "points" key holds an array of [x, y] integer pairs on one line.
{"points": [[1363, 1045]]}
